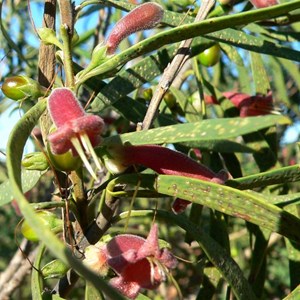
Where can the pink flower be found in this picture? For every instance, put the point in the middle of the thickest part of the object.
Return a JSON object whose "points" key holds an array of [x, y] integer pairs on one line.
{"points": [[248, 105], [163, 161], [139, 263], [76, 131]]}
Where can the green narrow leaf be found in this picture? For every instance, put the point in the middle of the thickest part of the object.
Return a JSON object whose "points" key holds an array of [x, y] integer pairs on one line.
{"points": [[279, 80], [36, 279], [277, 176], [243, 74], [206, 130], [258, 258], [259, 44], [293, 254], [291, 69], [248, 206], [260, 77]]}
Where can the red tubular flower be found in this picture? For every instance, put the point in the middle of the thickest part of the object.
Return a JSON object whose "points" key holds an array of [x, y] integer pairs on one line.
{"points": [[248, 105], [138, 262], [163, 161], [145, 16], [76, 131]]}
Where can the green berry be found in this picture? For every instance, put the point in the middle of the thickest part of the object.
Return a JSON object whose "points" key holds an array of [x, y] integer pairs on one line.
{"points": [[210, 56]]}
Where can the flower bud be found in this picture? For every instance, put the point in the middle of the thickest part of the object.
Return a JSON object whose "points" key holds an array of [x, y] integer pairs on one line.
{"points": [[54, 269], [49, 219], [22, 87], [96, 259], [35, 161], [48, 37]]}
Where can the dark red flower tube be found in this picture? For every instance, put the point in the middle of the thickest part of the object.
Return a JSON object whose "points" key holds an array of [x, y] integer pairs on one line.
{"points": [[163, 161]]}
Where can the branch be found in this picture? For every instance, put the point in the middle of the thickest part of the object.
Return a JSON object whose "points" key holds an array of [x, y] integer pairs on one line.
{"points": [[172, 69]]}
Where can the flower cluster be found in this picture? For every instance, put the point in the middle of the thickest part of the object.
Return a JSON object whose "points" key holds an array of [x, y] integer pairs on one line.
{"points": [[138, 263]]}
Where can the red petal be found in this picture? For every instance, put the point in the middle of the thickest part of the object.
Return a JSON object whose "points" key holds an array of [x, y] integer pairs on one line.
{"points": [[63, 106]]}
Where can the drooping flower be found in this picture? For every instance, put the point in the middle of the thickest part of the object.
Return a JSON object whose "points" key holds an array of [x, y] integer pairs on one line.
{"points": [[248, 105], [145, 16], [163, 161], [139, 263], [76, 130]]}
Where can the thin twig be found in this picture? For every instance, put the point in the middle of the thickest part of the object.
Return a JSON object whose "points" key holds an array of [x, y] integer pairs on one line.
{"points": [[16, 271], [172, 69]]}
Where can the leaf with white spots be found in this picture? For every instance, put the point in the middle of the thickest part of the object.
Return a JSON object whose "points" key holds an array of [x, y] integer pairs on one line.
{"points": [[252, 207], [207, 130], [29, 179]]}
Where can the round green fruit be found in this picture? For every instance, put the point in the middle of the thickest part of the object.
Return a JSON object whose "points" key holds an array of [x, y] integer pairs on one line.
{"points": [[170, 100], [210, 56]]}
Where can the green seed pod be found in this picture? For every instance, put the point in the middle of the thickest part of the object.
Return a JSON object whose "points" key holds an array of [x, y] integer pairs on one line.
{"points": [[55, 269], [49, 219], [22, 87], [35, 161]]}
